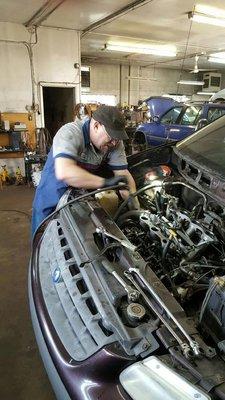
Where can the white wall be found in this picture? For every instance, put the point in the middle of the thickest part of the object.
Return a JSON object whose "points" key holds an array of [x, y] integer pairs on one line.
{"points": [[15, 83], [54, 56], [105, 79], [110, 79]]}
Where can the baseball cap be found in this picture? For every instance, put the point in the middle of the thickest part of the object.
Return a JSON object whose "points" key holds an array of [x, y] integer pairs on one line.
{"points": [[113, 121]]}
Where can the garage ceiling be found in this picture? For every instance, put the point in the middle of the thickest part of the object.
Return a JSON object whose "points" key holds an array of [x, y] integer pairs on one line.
{"points": [[151, 21]]}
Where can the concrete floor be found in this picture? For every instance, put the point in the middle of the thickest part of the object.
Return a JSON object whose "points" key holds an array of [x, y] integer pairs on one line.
{"points": [[22, 375]]}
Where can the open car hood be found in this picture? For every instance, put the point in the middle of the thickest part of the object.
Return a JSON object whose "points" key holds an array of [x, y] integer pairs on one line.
{"points": [[159, 105]]}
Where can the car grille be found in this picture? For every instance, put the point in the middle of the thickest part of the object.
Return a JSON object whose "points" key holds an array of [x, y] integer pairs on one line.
{"points": [[68, 300]]}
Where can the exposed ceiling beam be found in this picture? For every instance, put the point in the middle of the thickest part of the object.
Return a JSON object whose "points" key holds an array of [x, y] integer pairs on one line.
{"points": [[116, 14], [140, 62], [43, 13]]}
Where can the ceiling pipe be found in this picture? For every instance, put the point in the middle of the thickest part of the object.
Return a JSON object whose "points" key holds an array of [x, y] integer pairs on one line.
{"points": [[114, 15], [43, 13]]}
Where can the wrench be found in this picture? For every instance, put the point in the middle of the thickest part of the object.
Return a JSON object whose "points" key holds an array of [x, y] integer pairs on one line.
{"points": [[132, 294], [170, 329], [193, 344], [123, 242]]}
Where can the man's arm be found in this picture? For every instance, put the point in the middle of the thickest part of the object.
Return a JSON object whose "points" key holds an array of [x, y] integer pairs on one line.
{"points": [[131, 184], [67, 170], [130, 179]]}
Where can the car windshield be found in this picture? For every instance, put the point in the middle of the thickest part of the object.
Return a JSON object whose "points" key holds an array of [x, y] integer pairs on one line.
{"points": [[191, 115], [207, 146], [171, 116]]}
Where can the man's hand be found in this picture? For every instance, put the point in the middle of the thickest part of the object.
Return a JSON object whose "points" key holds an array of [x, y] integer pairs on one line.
{"points": [[116, 180]]}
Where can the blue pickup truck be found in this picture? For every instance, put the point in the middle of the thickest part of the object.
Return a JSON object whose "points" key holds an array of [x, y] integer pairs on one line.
{"points": [[171, 121]]}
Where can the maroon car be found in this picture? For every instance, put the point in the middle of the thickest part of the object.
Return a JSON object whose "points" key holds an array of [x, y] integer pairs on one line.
{"points": [[132, 305]]}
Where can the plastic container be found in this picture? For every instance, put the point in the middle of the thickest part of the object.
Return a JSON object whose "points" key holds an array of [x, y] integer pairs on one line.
{"points": [[108, 200]]}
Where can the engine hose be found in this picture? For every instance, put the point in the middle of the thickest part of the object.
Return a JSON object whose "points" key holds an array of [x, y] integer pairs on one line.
{"points": [[163, 263], [158, 202], [81, 197], [139, 191], [155, 185], [128, 214], [205, 301], [165, 251]]}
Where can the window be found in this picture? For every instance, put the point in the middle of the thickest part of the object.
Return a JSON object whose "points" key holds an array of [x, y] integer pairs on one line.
{"points": [[171, 116], [191, 115], [85, 79], [215, 113]]}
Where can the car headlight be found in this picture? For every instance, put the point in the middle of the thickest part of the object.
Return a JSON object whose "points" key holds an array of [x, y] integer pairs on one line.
{"points": [[152, 379]]}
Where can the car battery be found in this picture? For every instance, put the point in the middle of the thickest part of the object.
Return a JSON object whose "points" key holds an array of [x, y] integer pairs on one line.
{"points": [[212, 314]]}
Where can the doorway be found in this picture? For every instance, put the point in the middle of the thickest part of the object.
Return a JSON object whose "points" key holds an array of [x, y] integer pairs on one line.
{"points": [[59, 105]]}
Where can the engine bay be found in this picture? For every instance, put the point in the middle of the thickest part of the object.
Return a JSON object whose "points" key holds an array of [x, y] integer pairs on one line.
{"points": [[180, 236]]}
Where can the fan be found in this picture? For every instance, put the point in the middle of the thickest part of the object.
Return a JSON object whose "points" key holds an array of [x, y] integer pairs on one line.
{"points": [[196, 69]]}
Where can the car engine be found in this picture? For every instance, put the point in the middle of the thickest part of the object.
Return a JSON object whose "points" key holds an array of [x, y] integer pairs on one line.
{"points": [[180, 236]]}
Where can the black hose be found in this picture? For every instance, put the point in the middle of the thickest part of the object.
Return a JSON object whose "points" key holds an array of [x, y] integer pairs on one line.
{"points": [[81, 197], [163, 264], [158, 202], [139, 191], [151, 186], [128, 214], [206, 300], [165, 251]]}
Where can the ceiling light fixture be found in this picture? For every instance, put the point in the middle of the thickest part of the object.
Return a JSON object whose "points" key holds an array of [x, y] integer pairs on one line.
{"points": [[216, 60], [207, 15], [186, 82], [157, 50], [217, 57], [206, 93], [141, 78]]}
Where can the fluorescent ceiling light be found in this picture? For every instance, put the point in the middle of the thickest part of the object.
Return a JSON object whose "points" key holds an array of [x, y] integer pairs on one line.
{"points": [[206, 93], [220, 54], [217, 60], [157, 50], [184, 82], [208, 10], [141, 78], [208, 15], [217, 57], [204, 19]]}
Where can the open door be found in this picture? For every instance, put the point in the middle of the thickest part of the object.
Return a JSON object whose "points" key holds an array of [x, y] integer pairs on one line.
{"points": [[59, 105]]}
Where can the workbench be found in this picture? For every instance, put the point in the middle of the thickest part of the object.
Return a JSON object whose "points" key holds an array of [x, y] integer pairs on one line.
{"points": [[12, 159]]}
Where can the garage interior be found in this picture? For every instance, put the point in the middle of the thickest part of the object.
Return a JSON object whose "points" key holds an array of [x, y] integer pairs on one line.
{"points": [[54, 55]]}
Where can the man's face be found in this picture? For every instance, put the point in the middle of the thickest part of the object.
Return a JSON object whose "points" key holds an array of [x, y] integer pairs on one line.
{"points": [[101, 139]]}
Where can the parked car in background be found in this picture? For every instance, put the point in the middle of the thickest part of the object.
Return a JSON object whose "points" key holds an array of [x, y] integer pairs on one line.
{"points": [[218, 97], [171, 121]]}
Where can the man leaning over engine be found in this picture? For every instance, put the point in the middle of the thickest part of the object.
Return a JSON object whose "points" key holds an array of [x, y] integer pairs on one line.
{"points": [[80, 150]]}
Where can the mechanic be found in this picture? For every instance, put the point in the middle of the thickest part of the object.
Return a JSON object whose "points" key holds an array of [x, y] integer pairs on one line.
{"points": [[80, 150]]}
